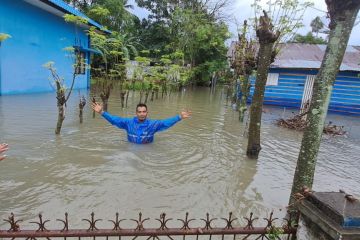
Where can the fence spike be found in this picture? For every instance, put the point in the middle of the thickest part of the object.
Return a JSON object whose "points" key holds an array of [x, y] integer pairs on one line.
{"points": [[65, 222], [186, 222], [92, 222], [14, 226], [229, 221]]}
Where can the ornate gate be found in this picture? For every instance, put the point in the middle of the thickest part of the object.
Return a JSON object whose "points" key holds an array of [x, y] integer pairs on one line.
{"points": [[225, 227]]}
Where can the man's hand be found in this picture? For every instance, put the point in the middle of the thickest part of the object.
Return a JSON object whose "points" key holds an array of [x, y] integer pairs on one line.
{"points": [[97, 107], [185, 114]]}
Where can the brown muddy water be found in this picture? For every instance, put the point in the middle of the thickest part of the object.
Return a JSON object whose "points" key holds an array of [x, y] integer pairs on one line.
{"points": [[198, 166]]}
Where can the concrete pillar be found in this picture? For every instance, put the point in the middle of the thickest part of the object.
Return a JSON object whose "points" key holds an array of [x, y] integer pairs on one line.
{"points": [[329, 216]]}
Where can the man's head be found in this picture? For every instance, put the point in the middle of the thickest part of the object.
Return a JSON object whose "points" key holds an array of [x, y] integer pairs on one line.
{"points": [[141, 111]]}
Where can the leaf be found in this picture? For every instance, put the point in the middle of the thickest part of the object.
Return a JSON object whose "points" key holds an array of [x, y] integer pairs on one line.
{"points": [[4, 36]]}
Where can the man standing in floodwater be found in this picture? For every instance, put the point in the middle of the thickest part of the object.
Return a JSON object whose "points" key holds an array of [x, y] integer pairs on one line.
{"points": [[140, 129]]}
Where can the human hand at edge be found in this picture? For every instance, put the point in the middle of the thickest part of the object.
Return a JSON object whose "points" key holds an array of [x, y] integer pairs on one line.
{"points": [[97, 107], [3, 148], [185, 114]]}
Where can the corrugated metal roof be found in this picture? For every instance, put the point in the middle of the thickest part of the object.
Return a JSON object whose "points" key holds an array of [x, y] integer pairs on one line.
{"points": [[68, 9], [309, 56]]}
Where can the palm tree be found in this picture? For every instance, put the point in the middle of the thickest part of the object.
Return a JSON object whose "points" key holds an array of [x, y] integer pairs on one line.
{"points": [[129, 44]]}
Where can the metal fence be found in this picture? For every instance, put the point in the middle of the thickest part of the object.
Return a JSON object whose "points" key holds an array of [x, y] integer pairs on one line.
{"points": [[208, 230]]}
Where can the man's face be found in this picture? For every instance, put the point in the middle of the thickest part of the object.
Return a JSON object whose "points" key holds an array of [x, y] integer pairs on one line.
{"points": [[141, 113]]}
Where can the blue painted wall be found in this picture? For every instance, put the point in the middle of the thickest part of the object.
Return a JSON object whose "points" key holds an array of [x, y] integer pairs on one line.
{"points": [[345, 97], [37, 37]]}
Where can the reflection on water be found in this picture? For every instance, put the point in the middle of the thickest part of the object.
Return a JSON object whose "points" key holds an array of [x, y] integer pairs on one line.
{"points": [[197, 166]]}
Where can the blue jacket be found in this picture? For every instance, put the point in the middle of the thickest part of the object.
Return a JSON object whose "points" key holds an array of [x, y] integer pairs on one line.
{"points": [[141, 132]]}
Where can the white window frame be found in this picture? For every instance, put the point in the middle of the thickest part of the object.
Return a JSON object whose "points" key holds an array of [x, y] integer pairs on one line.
{"points": [[272, 79]]}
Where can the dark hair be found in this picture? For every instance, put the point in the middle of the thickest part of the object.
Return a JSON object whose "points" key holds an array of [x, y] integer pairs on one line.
{"points": [[141, 105]]}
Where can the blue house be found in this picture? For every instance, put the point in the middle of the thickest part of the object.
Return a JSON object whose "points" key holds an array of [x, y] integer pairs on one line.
{"points": [[291, 78], [39, 34]]}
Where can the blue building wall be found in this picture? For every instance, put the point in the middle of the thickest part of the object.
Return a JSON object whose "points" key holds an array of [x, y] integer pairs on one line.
{"points": [[37, 37], [345, 97]]}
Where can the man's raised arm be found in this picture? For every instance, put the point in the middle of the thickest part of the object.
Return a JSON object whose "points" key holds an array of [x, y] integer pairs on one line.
{"points": [[169, 122], [114, 120]]}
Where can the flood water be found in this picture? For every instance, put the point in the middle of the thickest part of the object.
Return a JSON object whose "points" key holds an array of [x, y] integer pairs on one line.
{"points": [[198, 166]]}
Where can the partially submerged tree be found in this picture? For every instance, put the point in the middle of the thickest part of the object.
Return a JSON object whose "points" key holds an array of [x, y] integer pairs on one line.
{"points": [[267, 37], [112, 70], [342, 17], [244, 63], [139, 78], [62, 92], [274, 26], [82, 103]]}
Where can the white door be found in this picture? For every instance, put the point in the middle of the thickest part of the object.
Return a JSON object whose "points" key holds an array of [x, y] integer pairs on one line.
{"points": [[308, 89]]}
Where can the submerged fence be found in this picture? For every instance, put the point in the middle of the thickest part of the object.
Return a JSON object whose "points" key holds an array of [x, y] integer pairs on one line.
{"points": [[267, 230]]}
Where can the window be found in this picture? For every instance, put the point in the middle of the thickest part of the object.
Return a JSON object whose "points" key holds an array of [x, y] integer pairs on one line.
{"points": [[272, 79], [80, 62]]}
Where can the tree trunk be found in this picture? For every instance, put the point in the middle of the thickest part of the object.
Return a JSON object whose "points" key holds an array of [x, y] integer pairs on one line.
{"points": [[133, 85], [342, 18], [61, 101], [61, 117], [94, 101], [245, 89], [141, 95], [122, 98], [152, 95], [267, 38], [234, 94], [105, 104], [105, 95], [127, 98], [254, 147], [146, 96], [228, 93], [82, 104], [81, 114]]}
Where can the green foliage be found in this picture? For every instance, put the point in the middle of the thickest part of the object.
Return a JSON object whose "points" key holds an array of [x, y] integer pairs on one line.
{"points": [[99, 14], [56, 81], [317, 25], [115, 50], [308, 38], [200, 40], [69, 49], [160, 9], [49, 65], [286, 16], [143, 60], [126, 43], [275, 232], [3, 37], [185, 33], [75, 19]]}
